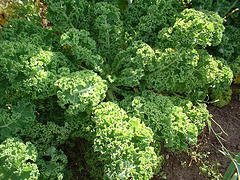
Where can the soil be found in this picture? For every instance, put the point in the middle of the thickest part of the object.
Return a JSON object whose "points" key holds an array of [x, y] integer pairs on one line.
{"points": [[228, 118]]}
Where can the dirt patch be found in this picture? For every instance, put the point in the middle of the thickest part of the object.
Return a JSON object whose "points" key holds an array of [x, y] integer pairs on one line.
{"points": [[182, 167]]}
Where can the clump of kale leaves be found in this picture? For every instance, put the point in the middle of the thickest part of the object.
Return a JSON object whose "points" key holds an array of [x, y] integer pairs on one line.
{"points": [[124, 77]]}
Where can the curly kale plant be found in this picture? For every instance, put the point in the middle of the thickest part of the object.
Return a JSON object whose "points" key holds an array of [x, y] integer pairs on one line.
{"points": [[108, 29], [193, 28], [130, 65], [123, 143], [229, 49], [80, 125], [18, 160], [174, 121], [65, 14], [28, 32], [81, 49], [14, 119], [52, 164], [226, 9], [80, 91], [29, 70], [47, 135], [161, 14], [41, 71], [190, 73]]}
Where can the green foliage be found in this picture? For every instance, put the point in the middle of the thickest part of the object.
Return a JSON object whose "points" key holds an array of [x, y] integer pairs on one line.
{"points": [[144, 19], [229, 49], [41, 71], [52, 164], [221, 91], [13, 56], [18, 160], [137, 9], [68, 80], [44, 136], [202, 5], [94, 164], [129, 65], [28, 32], [159, 15], [108, 29], [80, 91], [193, 28], [80, 125], [222, 7], [65, 14], [50, 161], [49, 110], [236, 66], [81, 49], [176, 122], [190, 73], [15, 118], [123, 143], [121, 4], [30, 70]]}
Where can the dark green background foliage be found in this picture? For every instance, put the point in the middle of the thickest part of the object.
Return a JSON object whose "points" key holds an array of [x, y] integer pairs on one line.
{"points": [[123, 79]]}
